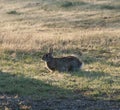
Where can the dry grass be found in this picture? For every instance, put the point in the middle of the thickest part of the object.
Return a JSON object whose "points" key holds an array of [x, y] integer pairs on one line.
{"points": [[29, 28]]}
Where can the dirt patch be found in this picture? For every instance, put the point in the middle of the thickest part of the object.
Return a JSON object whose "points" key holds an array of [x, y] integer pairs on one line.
{"points": [[8, 102]]}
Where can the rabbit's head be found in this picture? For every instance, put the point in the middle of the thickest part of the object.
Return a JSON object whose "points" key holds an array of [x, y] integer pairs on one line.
{"points": [[48, 56]]}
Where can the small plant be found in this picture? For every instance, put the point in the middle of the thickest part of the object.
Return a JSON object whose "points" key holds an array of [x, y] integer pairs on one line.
{"points": [[66, 4], [107, 7], [14, 12]]}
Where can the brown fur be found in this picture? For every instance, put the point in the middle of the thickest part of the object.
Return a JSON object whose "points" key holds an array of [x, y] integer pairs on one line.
{"points": [[69, 63]]}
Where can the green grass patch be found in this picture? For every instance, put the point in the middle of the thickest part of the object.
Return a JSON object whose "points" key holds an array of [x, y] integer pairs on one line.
{"points": [[109, 7], [13, 12], [67, 4]]}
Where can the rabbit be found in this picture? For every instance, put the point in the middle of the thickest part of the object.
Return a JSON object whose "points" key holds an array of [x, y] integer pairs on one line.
{"points": [[69, 63]]}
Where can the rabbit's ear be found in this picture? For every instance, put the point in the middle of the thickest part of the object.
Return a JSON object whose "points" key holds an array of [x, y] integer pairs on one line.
{"points": [[51, 50]]}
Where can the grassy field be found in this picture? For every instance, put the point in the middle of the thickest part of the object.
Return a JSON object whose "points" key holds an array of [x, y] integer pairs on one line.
{"points": [[89, 29]]}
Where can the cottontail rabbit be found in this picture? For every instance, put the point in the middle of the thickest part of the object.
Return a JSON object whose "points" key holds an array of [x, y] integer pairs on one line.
{"points": [[69, 63]]}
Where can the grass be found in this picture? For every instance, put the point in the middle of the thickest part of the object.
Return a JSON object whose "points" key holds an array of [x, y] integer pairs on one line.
{"points": [[92, 33], [67, 4], [13, 12]]}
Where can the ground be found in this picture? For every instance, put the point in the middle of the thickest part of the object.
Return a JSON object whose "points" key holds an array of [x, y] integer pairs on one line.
{"points": [[15, 102], [89, 30]]}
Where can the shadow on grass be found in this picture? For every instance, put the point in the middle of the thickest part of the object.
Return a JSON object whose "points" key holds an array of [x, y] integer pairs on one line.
{"points": [[19, 84], [18, 92], [45, 95]]}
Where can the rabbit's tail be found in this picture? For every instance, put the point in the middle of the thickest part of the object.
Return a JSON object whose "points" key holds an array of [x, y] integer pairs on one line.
{"points": [[82, 65]]}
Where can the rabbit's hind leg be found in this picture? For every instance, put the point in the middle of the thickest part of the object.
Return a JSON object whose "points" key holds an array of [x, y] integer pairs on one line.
{"points": [[73, 68], [70, 68]]}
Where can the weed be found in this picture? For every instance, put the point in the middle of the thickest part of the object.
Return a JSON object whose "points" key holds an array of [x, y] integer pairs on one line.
{"points": [[108, 7], [67, 4], [13, 12]]}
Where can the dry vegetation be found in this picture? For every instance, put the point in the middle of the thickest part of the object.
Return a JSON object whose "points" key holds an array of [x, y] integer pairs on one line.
{"points": [[88, 28]]}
